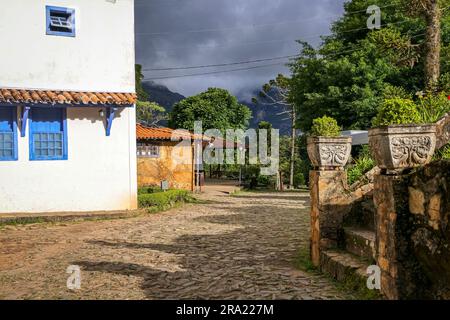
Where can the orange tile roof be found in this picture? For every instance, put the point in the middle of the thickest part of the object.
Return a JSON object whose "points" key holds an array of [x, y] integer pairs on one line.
{"points": [[148, 133], [65, 97]]}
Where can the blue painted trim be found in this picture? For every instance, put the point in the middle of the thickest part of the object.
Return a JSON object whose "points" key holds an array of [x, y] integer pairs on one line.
{"points": [[15, 156], [70, 11], [24, 120], [110, 115], [33, 157]]}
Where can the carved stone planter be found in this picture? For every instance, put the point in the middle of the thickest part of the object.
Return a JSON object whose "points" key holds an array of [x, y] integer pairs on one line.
{"points": [[399, 147], [329, 153]]}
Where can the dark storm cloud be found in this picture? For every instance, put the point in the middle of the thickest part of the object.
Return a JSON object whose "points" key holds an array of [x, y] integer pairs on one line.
{"points": [[178, 33]]}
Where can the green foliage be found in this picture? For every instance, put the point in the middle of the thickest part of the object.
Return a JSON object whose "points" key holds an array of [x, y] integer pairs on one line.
{"points": [[163, 200], [300, 162], [363, 164], [265, 125], [392, 92], [397, 111], [146, 112], [443, 153], [149, 189], [149, 112], [432, 107], [141, 94], [325, 127], [216, 108], [355, 69]]}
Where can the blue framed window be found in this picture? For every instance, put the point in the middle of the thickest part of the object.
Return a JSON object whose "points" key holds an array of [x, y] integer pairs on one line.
{"points": [[48, 134], [8, 134], [60, 21]]}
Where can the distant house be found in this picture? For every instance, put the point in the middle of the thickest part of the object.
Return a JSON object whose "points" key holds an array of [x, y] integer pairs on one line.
{"points": [[67, 116], [359, 137], [161, 158]]}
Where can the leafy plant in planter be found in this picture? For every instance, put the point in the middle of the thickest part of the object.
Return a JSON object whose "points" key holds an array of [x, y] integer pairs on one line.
{"points": [[400, 139], [433, 107], [363, 164], [326, 148], [325, 127], [397, 111]]}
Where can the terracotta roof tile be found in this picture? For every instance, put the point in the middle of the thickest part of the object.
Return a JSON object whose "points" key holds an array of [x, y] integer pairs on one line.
{"points": [[147, 133], [65, 97]]}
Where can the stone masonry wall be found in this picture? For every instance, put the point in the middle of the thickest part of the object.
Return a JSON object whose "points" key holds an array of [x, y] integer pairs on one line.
{"points": [[331, 203], [413, 232]]}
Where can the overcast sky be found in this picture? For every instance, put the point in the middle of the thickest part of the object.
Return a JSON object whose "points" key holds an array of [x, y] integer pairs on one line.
{"points": [[184, 33]]}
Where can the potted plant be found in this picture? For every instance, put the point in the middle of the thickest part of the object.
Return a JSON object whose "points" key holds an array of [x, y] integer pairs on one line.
{"points": [[400, 140], [327, 149]]}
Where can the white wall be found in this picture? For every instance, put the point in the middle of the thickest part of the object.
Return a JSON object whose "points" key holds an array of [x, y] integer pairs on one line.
{"points": [[99, 58], [100, 173]]}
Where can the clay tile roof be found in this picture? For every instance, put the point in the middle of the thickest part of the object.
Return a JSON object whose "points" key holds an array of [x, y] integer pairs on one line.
{"points": [[147, 133], [17, 96]]}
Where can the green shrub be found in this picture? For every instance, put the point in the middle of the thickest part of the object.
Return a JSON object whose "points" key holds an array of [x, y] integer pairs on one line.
{"points": [[149, 189], [163, 200], [299, 180], [432, 107], [397, 111], [325, 127], [443, 154], [363, 164]]}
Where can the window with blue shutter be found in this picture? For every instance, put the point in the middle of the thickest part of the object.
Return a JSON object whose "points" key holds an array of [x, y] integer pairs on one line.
{"points": [[8, 134], [60, 21], [48, 134]]}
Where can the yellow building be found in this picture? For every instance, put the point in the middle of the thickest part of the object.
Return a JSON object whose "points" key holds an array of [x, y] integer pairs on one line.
{"points": [[158, 160]]}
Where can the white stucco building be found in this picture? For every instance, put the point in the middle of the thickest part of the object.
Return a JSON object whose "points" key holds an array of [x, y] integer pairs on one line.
{"points": [[67, 116]]}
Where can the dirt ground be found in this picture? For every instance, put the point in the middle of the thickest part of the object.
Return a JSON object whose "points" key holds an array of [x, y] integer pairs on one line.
{"points": [[227, 247]]}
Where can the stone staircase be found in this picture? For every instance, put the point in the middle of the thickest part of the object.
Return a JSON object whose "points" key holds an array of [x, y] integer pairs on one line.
{"points": [[356, 248]]}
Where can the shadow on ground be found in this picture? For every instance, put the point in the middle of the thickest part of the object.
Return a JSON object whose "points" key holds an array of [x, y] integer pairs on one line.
{"points": [[255, 261]]}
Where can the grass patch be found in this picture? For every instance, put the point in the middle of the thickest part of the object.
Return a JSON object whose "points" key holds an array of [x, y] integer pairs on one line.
{"points": [[303, 261], [359, 290], [350, 285]]}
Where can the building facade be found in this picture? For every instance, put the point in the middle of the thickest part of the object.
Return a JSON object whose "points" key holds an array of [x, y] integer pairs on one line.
{"points": [[67, 106], [164, 155]]}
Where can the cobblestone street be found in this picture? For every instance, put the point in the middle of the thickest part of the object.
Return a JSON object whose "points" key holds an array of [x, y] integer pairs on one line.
{"points": [[241, 247]]}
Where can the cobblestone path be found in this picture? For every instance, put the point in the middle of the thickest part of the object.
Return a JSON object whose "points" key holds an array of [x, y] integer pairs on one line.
{"points": [[241, 247]]}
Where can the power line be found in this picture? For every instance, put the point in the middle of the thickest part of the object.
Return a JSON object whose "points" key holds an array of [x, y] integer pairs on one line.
{"points": [[216, 72], [220, 65], [260, 66], [240, 62], [250, 26]]}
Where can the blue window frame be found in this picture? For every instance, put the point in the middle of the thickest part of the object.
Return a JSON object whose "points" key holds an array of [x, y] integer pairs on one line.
{"points": [[48, 134], [8, 133], [60, 21]]}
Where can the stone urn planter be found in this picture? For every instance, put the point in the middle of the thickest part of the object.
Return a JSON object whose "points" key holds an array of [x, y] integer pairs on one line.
{"points": [[399, 147], [329, 153]]}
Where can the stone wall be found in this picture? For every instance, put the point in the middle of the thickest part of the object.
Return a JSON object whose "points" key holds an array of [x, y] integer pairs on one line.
{"points": [[413, 232], [178, 172], [332, 202]]}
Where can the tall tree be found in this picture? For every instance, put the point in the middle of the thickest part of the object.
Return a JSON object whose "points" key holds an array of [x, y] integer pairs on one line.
{"points": [[355, 68], [148, 113], [276, 93], [216, 108], [432, 12]]}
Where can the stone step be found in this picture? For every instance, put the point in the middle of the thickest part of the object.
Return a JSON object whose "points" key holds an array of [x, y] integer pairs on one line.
{"points": [[344, 267], [360, 242]]}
